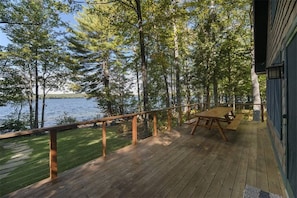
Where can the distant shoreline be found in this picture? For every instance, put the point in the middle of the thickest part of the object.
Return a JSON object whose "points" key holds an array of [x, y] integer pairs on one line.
{"points": [[62, 96]]}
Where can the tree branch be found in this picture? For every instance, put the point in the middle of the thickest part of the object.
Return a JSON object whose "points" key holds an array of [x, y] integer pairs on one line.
{"points": [[128, 5], [19, 23], [111, 1]]}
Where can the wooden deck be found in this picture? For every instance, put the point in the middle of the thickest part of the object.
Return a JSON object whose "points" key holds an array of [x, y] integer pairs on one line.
{"points": [[175, 165]]}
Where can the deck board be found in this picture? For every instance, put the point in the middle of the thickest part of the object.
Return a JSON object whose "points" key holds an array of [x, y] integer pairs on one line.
{"points": [[252, 163], [175, 164], [261, 165]]}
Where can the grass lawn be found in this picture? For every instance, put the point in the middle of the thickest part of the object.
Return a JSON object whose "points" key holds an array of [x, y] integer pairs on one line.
{"points": [[6, 155], [75, 147]]}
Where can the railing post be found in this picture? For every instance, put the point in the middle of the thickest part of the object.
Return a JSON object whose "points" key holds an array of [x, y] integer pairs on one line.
{"points": [[134, 130], [169, 120], [262, 112], [188, 112], [104, 139], [155, 125], [53, 155], [180, 115]]}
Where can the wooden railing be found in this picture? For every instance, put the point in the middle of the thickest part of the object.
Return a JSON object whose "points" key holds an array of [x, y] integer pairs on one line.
{"points": [[53, 164]]}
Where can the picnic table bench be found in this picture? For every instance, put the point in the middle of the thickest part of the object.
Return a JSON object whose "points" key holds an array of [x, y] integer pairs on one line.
{"points": [[214, 117]]}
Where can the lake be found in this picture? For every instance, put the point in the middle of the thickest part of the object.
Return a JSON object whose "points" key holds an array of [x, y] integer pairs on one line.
{"points": [[79, 108]]}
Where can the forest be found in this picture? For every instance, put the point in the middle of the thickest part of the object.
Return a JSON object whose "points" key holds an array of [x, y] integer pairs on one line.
{"points": [[130, 55]]}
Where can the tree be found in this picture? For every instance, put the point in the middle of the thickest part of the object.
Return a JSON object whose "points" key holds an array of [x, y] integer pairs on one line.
{"points": [[212, 67], [221, 50], [32, 28], [11, 86], [99, 51]]}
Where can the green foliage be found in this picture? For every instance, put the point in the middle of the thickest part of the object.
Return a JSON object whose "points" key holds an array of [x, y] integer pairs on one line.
{"points": [[10, 125], [223, 47], [15, 121], [99, 50], [11, 86], [189, 51], [65, 119]]}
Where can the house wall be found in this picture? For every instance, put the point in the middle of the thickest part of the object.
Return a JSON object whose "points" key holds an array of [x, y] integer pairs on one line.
{"points": [[279, 26], [282, 26]]}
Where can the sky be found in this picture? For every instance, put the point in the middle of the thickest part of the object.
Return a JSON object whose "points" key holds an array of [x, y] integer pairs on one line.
{"points": [[4, 40]]}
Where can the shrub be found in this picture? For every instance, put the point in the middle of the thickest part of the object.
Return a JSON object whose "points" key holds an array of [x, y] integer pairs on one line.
{"points": [[65, 119], [11, 125]]}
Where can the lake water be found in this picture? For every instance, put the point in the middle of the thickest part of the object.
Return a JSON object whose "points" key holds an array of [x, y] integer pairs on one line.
{"points": [[79, 108]]}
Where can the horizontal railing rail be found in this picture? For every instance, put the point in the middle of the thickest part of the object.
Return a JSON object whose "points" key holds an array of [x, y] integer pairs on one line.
{"points": [[183, 112]]}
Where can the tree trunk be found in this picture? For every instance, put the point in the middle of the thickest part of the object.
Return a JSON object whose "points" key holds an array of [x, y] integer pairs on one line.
{"points": [[43, 110], [43, 103], [187, 83], [229, 95], [30, 101], [43, 96], [142, 54], [20, 111], [31, 110], [143, 65], [36, 93], [138, 88], [173, 101], [177, 74], [256, 95], [215, 89], [254, 77], [207, 96], [107, 88], [167, 88], [207, 87]]}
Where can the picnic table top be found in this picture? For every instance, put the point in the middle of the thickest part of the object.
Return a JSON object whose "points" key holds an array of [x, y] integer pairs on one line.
{"points": [[216, 112]]}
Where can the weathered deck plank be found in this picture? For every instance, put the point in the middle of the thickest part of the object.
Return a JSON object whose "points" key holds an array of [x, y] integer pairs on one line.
{"points": [[252, 164], [175, 165]]}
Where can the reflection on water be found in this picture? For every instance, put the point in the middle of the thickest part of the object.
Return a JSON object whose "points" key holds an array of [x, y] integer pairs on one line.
{"points": [[79, 108]]}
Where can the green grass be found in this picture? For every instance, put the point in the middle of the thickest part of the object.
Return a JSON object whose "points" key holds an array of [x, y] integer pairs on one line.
{"points": [[6, 155], [75, 147]]}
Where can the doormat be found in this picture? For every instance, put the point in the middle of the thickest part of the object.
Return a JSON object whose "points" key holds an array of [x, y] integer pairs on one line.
{"points": [[253, 192]]}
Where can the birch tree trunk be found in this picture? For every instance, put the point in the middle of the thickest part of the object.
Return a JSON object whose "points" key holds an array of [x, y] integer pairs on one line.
{"points": [[254, 77], [256, 95], [177, 74]]}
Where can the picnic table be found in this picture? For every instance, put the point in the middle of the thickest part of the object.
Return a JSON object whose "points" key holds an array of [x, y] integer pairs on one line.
{"points": [[214, 117]]}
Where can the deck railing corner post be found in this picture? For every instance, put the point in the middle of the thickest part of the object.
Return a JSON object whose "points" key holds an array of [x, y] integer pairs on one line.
{"points": [[169, 119], [134, 130], [53, 155], [104, 139], [262, 112], [155, 124]]}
